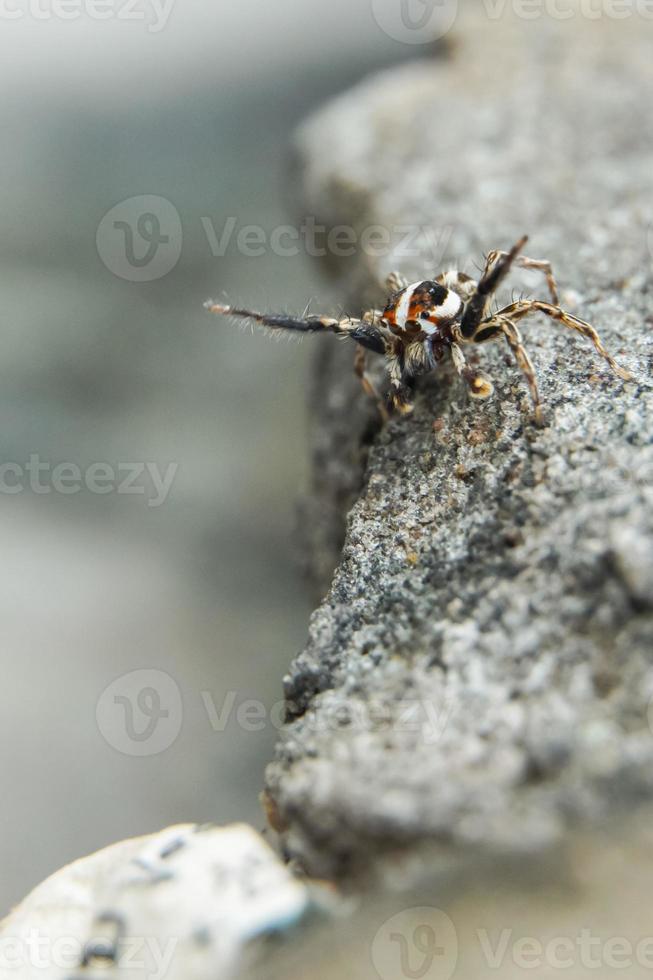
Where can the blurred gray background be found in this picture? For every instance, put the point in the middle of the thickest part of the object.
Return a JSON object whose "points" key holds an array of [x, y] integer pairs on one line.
{"points": [[97, 368]]}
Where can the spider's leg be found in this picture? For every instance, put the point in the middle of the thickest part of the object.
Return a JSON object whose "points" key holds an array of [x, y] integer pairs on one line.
{"points": [[395, 281], [360, 359], [460, 282], [540, 265], [502, 325], [309, 324], [373, 316], [478, 383], [496, 269], [368, 334], [516, 311]]}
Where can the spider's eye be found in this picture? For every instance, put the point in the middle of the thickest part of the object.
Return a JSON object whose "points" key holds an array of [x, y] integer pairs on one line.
{"points": [[438, 294], [425, 315]]}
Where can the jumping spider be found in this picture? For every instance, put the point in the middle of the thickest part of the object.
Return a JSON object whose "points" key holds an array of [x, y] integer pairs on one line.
{"points": [[424, 320]]}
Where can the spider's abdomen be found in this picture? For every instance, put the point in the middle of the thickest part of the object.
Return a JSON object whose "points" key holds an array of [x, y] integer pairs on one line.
{"points": [[422, 310]]}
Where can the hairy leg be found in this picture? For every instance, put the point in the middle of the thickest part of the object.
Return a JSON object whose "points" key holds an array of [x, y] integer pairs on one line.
{"points": [[493, 275], [360, 359], [395, 282], [514, 340], [364, 332], [522, 308], [541, 265]]}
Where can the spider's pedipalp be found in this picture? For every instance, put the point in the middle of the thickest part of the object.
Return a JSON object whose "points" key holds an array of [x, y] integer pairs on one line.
{"points": [[478, 384], [400, 394]]}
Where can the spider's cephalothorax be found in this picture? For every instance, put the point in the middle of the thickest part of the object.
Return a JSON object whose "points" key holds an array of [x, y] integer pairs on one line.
{"points": [[423, 321], [423, 310]]}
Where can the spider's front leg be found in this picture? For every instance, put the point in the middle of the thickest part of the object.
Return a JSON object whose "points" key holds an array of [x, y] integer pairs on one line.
{"points": [[539, 265], [365, 332], [275, 321], [493, 275]]}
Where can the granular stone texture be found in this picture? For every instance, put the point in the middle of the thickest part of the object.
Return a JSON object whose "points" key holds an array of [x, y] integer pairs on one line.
{"points": [[481, 669]]}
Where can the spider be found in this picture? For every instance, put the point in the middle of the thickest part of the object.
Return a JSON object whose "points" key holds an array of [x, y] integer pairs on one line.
{"points": [[422, 321]]}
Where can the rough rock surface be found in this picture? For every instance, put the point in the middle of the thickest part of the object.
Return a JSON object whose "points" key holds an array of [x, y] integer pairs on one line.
{"points": [[482, 667]]}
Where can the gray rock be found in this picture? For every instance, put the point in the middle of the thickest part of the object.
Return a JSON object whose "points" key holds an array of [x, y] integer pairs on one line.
{"points": [[480, 672]]}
